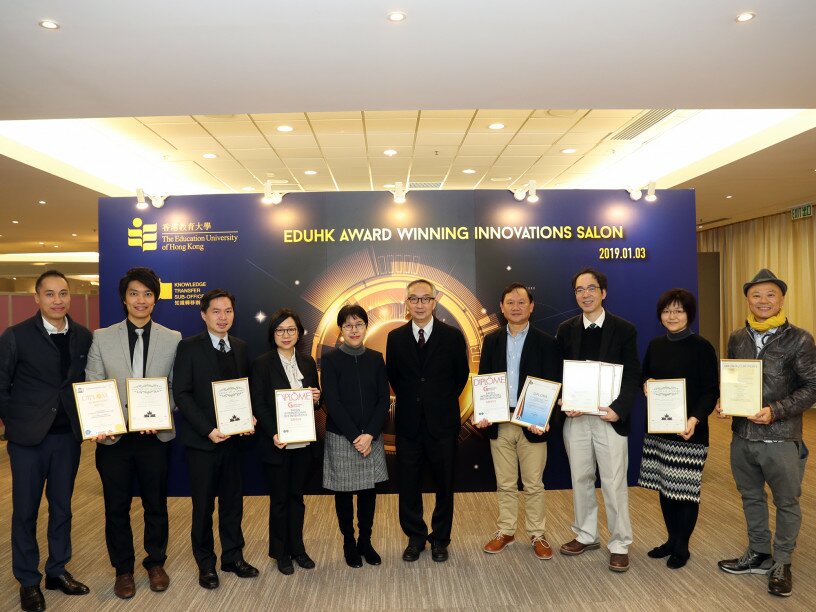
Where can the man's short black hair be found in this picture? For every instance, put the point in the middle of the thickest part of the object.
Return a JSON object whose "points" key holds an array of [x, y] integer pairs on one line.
{"points": [[279, 317], [683, 297], [146, 276], [45, 275], [213, 294], [512, 287], [349, 311], [600, 277]]}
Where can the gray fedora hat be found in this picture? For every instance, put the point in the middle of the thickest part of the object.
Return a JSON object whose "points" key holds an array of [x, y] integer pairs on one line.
{"points": [[765, 276]]}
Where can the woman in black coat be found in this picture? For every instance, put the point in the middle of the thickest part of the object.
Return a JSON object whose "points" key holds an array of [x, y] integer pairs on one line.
{"points": [[286, 466]]}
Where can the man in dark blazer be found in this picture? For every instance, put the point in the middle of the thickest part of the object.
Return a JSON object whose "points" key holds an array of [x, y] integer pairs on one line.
{"points": [[520, 350], [39, 360], [213, 459], [428, 368], [600, 441]]}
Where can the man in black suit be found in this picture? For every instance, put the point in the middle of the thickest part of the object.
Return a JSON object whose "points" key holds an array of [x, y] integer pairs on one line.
{"points": [[39, 360], [600, 441], [520, 350], [427, 367], [213, 458]]}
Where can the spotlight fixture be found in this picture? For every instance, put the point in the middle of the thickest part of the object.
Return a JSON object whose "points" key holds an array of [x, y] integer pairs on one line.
{"points": [[390, 152], [532, 198], [157, 201], [141, 203], [267, 196], [635, 194], [520, 193], [743, 17], [49, 24], [650, 193], [496, 126], [399, 193], [396, 16]]}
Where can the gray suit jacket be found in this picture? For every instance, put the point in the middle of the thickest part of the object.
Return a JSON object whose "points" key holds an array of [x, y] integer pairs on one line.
{"points": [[109, 357]]}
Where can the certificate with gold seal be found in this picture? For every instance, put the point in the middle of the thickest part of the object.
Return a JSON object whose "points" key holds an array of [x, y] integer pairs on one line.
{"points": [[294, 410], [233, 408], [740, 386], [490, 397], [666, 406], [99, 408], [148, 404]]}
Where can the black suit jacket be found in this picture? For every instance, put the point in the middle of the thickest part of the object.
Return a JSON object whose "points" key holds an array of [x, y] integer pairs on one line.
{"points": [[540, 358], [31, 381], [194, 371], [427, 389], [267, 376], [618, 345]]}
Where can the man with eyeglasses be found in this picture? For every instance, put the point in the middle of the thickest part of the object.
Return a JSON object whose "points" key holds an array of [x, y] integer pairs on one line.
{"points": [[428, 368], [600, 442]]}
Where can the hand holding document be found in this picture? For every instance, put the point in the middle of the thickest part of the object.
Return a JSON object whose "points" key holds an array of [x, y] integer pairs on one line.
{"points": [[490, 397]]}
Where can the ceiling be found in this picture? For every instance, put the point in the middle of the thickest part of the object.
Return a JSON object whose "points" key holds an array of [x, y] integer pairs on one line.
{"points": [[187, 78]]}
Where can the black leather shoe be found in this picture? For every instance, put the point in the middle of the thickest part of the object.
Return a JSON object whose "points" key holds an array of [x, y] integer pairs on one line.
{"points": [[780, 580], [285, 566], [304, 561], [368, 553], [352, 556], [31, 599], [207, 578], [660, 552], [66, 584], [439, 552], [677, 561], [240, 568], [411, 553], [749, 563]]}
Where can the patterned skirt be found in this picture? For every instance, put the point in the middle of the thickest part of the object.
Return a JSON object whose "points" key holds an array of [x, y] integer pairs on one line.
{"points": [[345, 469], [673, 467]]}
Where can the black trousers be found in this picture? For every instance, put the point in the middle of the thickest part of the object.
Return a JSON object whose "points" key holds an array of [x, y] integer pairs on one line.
{"points": [[680, 518], [144, 458], [366, 506], [52, 464], [286, 482], [413, 455], [214, 473]]}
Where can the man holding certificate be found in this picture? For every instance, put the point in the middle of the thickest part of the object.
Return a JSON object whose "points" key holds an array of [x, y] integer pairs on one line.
{"points": [[768, 447], [138, 349], [39, 360], [520, 350], [213, 456], [600, 441]]}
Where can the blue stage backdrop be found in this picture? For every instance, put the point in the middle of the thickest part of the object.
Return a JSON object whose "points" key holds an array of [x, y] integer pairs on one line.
{"points": [[317, 251]]}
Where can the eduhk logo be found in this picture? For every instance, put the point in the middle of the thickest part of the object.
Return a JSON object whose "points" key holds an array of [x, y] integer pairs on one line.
{"points": [[143, 235]]}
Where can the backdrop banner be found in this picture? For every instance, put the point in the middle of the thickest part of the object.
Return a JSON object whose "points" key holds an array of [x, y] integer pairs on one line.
{"points": [[317, 251]]}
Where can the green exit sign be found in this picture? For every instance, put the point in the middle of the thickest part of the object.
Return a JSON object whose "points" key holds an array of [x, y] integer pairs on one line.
{"points": [[800, 212]]}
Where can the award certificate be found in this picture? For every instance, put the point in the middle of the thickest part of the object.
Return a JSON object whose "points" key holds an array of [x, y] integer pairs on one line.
{"points": [[741, 386], [581, 386], [294, 410], [148, 404], [233, 409], [536, 402], [490, 397], [666, 406], [99, 408]]}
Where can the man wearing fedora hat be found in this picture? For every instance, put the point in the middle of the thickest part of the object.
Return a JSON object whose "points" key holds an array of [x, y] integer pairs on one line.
{"points": [[768, 447]]}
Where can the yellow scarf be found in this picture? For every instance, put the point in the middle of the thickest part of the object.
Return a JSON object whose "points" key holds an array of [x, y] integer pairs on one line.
{"points": [[763, 326]]}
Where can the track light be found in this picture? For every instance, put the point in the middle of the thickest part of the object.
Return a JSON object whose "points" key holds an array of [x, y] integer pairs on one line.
{"points": [[399, 193], [531, 189], [267, 196], [635, 194], [157, 201], [141, 203], [520, 194], [650, 193], [277, 197]]}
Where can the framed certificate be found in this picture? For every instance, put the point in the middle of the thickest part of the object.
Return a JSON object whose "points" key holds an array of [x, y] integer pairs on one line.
{"points": [[148, 403], [490, 397], [294, 409], [581, 387], [99, 408], [666, 406], [536, 402], [740, 386], [233, 409]]}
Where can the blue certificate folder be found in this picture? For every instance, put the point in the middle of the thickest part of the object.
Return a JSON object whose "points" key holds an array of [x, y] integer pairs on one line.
{"points": [[536, 402]]}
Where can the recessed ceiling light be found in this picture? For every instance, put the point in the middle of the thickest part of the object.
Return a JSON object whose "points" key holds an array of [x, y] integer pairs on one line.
{"points": [[747, 16], [699, 227], [390, 152], [41, 202], [49, 24], [42, 243], [15, 222], [496, 126], [389, 186], [468, 171], [396, 16], [501, 179], [56, 246], [209, 156], [278, 181], [248, 188], [74, 235], [568, 151], [285, 128], [310, 172], [728, 197]]}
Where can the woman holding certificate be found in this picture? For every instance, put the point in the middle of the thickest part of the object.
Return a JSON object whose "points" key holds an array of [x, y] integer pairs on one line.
{"points": [[673, 462], [287, 458], [356, 395]]}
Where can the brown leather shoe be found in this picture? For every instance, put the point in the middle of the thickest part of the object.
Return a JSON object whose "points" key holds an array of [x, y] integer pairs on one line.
{"points": [[574, 547], [619, 562], [498, 543], [159, 580], [542, 547], [124, 588]]}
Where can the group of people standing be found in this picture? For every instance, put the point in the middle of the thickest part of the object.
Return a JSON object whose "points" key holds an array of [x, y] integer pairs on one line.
{"points": [[427, 366]]}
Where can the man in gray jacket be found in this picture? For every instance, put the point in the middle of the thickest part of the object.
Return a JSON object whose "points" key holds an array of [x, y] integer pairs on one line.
{"points": [[768, 447]]}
